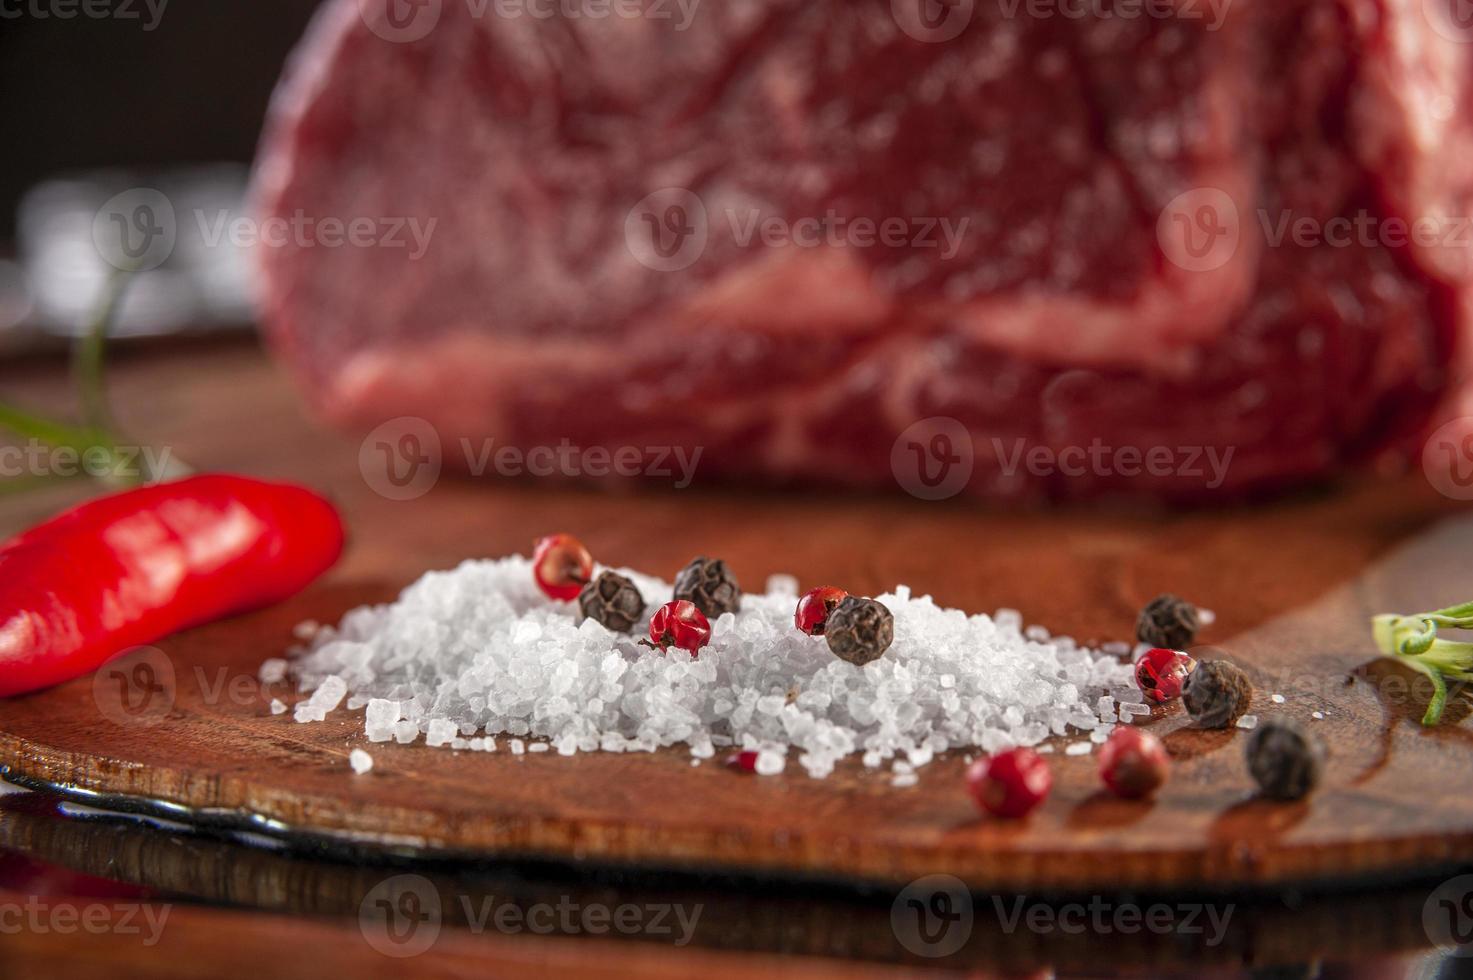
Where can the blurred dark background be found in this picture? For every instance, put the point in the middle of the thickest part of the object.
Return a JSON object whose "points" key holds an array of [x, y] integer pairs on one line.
{"points": [[105, 97], [189, 86]]}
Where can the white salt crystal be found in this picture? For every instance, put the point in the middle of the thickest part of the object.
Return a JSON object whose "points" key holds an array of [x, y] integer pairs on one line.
{"points": [[538, 747], [381, 712], [1079, 748], [477, 652], [360, 760], [1134, 709], [329, 693], [1318, 715], [783, 585], [769, 763], [306, 629], [1248, 722], [1206, 617], [278, 706], [904, 779], [1276, 698], [273, 671], [441, 732], [771, 704]]}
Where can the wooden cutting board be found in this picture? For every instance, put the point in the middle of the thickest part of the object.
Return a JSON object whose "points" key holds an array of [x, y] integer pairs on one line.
{"points": [[1292, 584]]}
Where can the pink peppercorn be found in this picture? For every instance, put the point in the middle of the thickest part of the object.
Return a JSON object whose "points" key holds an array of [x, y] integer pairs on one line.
{"points": [[1160, 673], [1011, 783]]}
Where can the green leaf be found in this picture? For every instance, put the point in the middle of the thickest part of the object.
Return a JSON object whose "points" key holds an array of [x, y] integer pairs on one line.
{"points": [[28, 425], [1460, 612]]}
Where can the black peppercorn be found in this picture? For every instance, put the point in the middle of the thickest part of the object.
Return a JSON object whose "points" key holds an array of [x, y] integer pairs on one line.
{"points": [[707, 583], [1216, 694], [860, 630], [611, 599], [1285, 760], [1168, 621]]}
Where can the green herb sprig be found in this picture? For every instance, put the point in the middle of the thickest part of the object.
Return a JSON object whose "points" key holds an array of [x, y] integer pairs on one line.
{"points": [[1413, 641], [97, 431]]}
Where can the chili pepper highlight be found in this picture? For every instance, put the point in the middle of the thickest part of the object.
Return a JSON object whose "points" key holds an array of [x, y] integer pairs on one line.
{"points": [[134, 567]]}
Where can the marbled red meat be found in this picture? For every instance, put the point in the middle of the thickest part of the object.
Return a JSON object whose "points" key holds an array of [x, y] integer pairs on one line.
{"points": [[648, 231]]}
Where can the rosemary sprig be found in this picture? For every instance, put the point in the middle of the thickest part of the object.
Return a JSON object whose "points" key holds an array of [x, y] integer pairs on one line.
{"points": [[97, 430], [1414, 641]]}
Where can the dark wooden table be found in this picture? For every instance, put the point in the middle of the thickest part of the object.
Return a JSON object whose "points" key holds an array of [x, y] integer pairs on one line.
{"points": [[1086, 573]]}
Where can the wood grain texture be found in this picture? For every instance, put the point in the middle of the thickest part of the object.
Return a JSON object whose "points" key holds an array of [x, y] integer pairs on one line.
{"points": [[1292, 585]]}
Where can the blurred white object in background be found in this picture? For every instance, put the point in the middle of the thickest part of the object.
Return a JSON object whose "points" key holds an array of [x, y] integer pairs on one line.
{"points": [[74, 231]]}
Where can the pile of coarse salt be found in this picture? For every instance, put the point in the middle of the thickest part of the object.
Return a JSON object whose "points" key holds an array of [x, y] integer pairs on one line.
{"points": [[467, 655]]}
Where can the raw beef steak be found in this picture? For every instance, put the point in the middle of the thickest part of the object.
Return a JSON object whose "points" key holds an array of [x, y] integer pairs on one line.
{"points": [[1000, 246]]}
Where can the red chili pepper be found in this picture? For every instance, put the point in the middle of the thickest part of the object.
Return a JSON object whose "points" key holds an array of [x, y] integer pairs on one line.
{"points": [[131, 568]]}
